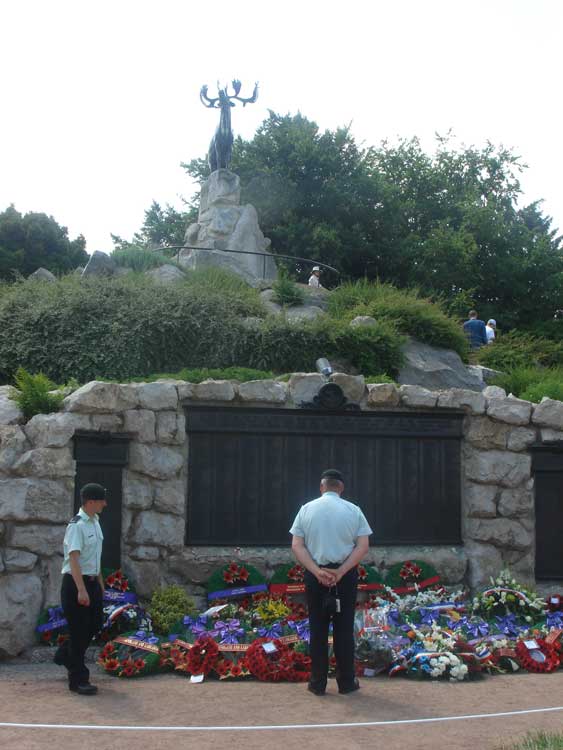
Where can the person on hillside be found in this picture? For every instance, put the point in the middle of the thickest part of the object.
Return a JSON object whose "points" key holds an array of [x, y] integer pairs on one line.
{"points": [[82, 587], [315, 278], [475, 330], [491, 328], [330, 538]]}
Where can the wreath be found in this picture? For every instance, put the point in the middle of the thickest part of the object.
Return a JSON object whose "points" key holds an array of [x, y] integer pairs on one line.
{"points": [[235, 580], [369, 579], [411, 576], [543, 659], [127, 656], [52, 627], [278, 665], [202, 656], [288, 579]]}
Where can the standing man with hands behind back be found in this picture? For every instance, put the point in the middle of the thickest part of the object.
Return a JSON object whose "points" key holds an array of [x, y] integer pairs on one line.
{"points": [[330, 538], [82, 587]]}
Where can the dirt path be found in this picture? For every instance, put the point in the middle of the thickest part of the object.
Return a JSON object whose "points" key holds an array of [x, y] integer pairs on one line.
{"points": [[38, 694]]}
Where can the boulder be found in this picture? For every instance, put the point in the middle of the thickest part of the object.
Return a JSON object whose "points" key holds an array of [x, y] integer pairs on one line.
{"points": [[484, 374], [166, 274], [98, 397], [548, 413], [214, 390], [435, 369], [382, 394], [353, 386], [363, 321], [13, 444], [497, 467], [297, 313], [263, 391], [170, 428], [157, 529], [20, 604], [157, 396], [10, 412], [55, 430], [33, 499], [42, 274], [511, 410], [458, 398], [38, 538], [304, 386], [100, 264], [141, 423], [493, 391], [416, 396], [155, 460], [52, 463]]}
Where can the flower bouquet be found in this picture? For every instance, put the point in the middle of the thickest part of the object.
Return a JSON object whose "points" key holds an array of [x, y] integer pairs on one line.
{"points": [[506, 597], [133, 655], [411, 576], [235, 580], [118, 589]]}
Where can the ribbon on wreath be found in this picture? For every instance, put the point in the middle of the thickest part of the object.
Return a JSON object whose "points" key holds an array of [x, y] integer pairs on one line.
{"points": [[228, 632], [301, 628], [239, 591], [271, 632], [56, 620], [120, 597]]}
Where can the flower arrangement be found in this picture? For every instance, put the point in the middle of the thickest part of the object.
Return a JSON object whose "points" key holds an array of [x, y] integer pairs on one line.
{"points": [[115, 579], [202, 656], [130, 656], [269, 611], [235, 580], [288, 579], [369, 579], [277, 663], [52, 627], [537, 655], [411, 576], [507, 597]]}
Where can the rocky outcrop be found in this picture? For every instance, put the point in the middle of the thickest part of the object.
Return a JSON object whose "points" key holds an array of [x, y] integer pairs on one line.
{"points": [[100, 264], [435, 369]]}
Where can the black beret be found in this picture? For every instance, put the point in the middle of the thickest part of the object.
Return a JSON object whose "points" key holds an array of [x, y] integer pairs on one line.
{"points": [[332, 474], [93, 491]]}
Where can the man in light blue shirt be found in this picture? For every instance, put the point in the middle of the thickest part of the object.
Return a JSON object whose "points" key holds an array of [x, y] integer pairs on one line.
{"points": [[330, 538]]}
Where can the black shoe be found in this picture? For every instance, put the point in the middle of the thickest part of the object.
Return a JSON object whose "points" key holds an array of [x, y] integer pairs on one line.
{"points": [[316, 691], [351, 689], [84, 689]]}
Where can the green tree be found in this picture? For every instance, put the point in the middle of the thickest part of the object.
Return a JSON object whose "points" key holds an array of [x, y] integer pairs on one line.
{"points": [[162, 227], [36, 240]]}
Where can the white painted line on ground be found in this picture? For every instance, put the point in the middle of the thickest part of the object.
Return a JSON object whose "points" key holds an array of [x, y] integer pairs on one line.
{"points": [[267, 727]]}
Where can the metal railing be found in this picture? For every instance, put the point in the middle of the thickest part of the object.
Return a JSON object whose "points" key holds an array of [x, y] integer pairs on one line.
{"points": [[248, 252]]}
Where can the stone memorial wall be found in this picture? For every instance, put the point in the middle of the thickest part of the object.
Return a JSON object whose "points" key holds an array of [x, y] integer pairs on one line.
{"points": [[37, 473]]}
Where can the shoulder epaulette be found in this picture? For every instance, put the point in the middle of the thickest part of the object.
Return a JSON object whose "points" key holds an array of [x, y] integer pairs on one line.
{"points": [[75, 519]]}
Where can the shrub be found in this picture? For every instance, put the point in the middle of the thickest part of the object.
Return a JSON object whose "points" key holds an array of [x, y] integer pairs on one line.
{"points": [[379, 379], [139, 258], [516, 381], [168, 606], [33, 395], [532, 383], [517, 349], [550, 386], [242, 374], [411, 314], [286, 292]]}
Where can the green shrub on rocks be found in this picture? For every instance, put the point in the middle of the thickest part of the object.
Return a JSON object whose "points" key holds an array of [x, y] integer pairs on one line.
{"points": [[286, 292], [33, 396], [167, 608], [517, 349], [139, 258]]}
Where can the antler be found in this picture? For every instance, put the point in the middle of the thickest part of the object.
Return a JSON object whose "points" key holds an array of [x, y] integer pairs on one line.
{"points": [[251, 99], [206, 100]]}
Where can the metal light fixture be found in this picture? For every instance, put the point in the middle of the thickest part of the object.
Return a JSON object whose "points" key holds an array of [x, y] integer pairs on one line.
{"points": [[323, 366]]}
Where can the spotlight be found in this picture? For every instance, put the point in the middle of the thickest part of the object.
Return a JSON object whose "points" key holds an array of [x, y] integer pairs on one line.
{"points": [[323, 366]]}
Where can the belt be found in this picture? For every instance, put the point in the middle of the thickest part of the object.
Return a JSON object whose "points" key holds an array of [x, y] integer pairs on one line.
{"points": [[85, 576]]}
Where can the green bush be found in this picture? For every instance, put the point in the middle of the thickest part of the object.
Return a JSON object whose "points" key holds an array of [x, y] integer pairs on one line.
{"points": [[379, 379], [517, 380], [286, 292], [242, 374], [517, 349], [411, 314], [33, 395], [550, 386], [532, 383], [168, 606], [139, 258]]}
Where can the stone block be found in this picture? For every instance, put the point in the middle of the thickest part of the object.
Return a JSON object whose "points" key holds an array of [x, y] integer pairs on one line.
{"points": [[214, 390], [137, 491], [459, 398], [107, 422], [480, 500], [304, 386], [20, 604], [13, 444], [500, 532], [551, 436], [33, 499], [548, 413], [170, 497], [185, 391], [141, 423], [157, 396], [170, 428], [145, 553], [382, 394], [515, 503], [19, 561], [263, 391], [51, 576], [157, 529], [353, 386], [485, 561], [154, 460], [38, 538], [166, 274], [10, 412], [146, 575], [55, 430], [493, 391], [522, 567], [510, 410], [497, 467], [483, 433], [97, 397], [520, 438], [52, 463], [416, 396], [298, 313]]}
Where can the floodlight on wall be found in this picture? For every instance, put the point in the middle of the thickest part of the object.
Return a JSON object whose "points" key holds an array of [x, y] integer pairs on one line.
{"points": [[323, 366]]}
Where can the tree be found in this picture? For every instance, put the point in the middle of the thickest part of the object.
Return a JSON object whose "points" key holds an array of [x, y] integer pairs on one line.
{"points": [[36, 240], [162, 227]]}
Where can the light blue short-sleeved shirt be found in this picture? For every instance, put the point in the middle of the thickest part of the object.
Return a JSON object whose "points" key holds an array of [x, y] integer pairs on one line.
{"points": [[330, 526], [84, 535]]}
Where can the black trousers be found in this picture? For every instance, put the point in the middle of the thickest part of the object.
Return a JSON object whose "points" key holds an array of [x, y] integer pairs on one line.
{"points": [[342, 629], [83, 624]]}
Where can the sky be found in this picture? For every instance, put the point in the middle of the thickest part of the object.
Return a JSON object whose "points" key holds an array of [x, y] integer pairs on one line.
{"points": [[101, 99]]}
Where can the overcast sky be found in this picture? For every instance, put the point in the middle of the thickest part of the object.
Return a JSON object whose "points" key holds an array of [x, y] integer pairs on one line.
{"points": [[101, 99]]}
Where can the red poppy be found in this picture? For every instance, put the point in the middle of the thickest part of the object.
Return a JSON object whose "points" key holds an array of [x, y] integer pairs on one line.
{"points": [[235, 671], [362, 573], [124, 585], [233, 567], [140, 664], [118, 574], [128, 671], [110, 665], [228, 577], [243, 574], [110, 580]]}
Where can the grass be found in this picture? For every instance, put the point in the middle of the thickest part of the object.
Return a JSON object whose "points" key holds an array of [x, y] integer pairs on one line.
{"points": [[198, 375], [536, 741], [532, 383], [140, 258]]}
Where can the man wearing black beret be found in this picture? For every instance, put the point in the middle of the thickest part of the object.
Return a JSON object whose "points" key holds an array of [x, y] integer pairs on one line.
{"points": [[82, 587], [330, 538]]}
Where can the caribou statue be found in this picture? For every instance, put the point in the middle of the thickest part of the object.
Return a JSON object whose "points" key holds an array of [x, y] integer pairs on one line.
{"points": [[221, 146]]}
